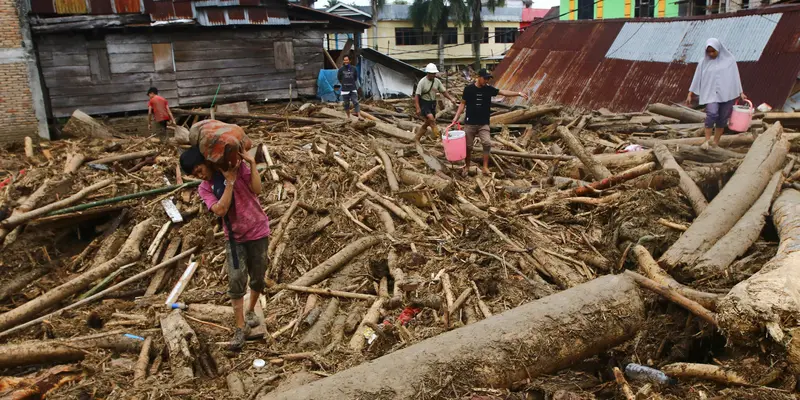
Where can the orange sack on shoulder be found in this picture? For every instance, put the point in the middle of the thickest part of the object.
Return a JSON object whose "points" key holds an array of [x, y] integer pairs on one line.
{"points": [[220, 143]]}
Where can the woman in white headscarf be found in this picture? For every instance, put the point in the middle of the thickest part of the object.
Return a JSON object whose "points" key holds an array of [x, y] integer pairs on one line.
{"points": [[717, 83]]}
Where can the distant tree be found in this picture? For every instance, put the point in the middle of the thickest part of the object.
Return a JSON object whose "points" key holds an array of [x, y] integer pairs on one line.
{"points": [[434, 15], [477, 25], [400, 2], [331, 3]]}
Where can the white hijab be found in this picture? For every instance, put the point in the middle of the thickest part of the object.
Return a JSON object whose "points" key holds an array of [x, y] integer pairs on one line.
{"points": [[717, 80]]}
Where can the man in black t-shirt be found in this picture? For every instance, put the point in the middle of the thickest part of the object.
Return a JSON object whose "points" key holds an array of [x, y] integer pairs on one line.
{"points": [[477, 99]]}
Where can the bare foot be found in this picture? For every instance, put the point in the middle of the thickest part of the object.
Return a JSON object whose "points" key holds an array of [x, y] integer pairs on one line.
{"points": [[465, 172], [704, 146], [486, 171], [715, 144]]}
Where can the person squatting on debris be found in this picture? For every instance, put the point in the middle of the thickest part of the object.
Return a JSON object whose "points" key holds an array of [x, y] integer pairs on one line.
{"points": [[158, 110], [477, 99], [232, 194], [717, 84], [425, 100], [348, 77]]}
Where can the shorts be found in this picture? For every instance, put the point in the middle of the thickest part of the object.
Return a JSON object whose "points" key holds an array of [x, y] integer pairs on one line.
{"points": [[483, 132], [427, 107], [351, 96], [161, 129], [718, 114], [253, 263]]}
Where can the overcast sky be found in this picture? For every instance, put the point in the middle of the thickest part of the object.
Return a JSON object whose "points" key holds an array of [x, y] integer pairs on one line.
{"points": [[518, 3]]}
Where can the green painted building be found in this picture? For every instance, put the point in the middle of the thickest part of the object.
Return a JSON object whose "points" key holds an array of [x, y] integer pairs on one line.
{"points": [[609, 9]]}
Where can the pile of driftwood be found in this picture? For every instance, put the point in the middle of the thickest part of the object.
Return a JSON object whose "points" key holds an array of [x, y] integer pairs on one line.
{"points": [[598, 240]]}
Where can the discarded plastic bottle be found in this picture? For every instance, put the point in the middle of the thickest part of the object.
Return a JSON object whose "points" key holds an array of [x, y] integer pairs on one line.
{"points": [[646, 374], [181, 306]]}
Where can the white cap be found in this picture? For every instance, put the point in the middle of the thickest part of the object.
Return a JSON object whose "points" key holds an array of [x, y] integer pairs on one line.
{"points": [[431, 69], [259, 363]]}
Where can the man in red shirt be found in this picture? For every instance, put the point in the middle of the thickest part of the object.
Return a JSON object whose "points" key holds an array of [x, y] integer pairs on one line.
{"points": [[158, 110]]}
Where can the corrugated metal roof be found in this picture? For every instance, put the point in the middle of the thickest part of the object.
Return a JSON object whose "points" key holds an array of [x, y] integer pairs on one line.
{"points": [[625, 65], [399, 12], [686, 40]]}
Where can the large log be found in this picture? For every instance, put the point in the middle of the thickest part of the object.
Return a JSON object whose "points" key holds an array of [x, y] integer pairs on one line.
{"points": [[596, 168], [765, 157], [517, 116], [337, 261], [81, 124], [740, 139], [736, 242], [15, 220], [265, 117], [382, 127], [537, 338], [130, 252], [679, 113], [652, 270], [687, 185], [771, 296], [64, 351]]}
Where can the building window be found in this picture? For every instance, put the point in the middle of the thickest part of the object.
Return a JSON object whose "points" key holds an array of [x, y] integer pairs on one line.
{"points": [[505, 35], [408, 36], [99, 66], [451, 36], [163, 58], [585, 9], [644, 8], [468, 35]]}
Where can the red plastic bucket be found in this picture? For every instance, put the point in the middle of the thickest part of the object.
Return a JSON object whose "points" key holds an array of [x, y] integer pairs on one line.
{"points": [[455, 144]]}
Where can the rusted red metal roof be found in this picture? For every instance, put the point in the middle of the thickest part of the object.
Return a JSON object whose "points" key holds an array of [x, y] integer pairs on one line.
{"points": [[624, 65]]}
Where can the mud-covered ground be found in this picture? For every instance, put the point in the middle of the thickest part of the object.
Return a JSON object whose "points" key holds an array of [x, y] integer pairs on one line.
{"points": [[591, 239]]}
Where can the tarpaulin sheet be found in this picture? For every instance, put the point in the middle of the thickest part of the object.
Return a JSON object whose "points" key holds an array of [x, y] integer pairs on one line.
{"points": [[382, 82], [325, 81]]}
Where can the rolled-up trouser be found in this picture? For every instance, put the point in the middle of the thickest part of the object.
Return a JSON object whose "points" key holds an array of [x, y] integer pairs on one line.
{"points": [[482, 131], [351, 96], [253, 263], [718, 114]]}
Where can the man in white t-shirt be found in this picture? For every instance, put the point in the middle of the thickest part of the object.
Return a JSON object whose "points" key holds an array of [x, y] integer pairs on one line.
{"points": [[425, 100]]}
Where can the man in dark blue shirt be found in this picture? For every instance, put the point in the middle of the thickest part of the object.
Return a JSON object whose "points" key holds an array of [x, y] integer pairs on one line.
{"points": [[348, 77]]}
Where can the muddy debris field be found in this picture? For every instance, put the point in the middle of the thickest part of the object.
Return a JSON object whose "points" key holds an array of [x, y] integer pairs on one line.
{"points": [[605, 256]]}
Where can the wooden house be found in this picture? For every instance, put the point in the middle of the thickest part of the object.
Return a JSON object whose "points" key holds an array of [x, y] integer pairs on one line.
{"points": [[101, 56]]}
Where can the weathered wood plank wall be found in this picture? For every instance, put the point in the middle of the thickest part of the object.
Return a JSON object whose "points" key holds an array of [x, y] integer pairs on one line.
{"points": [[112, 74]]}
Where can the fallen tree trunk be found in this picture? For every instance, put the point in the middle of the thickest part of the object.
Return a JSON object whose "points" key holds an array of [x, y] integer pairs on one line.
{"points": [[382, 127], [513, 117], [337, 261], [64, 351], [612, 180], [740, 139], [15, 220], [765, 157], [315, 337], [387, 166], [265, 117], [537, 338], [736, 242], [650, 268], [597, 169], [81, 124], [125, 157], [444, 187], [687, 185], [679, 113], [711, 174], [129, 253], [707, 372], [771, 296]]}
